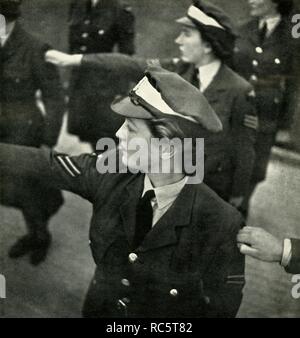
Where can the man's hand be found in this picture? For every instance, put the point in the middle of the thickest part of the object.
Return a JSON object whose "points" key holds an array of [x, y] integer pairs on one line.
{"points": [[260, 244], [236, 201], [62, 59]]}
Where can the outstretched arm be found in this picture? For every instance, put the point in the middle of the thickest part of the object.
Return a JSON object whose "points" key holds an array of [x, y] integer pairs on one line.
{"points": [[76, 174]]}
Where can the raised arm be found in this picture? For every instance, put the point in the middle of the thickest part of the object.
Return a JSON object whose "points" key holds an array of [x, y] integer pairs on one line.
{"points": [[47, 80], [76, 174]]}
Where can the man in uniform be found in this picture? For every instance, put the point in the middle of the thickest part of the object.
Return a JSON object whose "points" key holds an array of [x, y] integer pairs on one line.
{"points": [[206, 43], [23, 72], [97, 26], [163, 247], [265, 55]]}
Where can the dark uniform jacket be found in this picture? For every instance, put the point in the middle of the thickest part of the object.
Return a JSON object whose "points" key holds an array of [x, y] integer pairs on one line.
{"points": [[294, 266], [100, 29], [187, 266], [270, 67], [23, 72], [230, 154]]}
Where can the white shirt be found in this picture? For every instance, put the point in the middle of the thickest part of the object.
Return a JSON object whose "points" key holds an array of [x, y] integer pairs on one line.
{"points": [[164, 197], [271, 22], [207, 73]]}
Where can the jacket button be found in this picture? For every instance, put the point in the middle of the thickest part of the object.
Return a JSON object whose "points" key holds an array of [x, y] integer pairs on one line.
{"points": [[94, 282], [253, 78], [85, 35], [87, 22], [125, 282], [133, 257], [101, 32], [174, 293], [276, 100], [83, 48], [126, 300], [277, 61], [255, 63], [17, 80], [259, 50]]}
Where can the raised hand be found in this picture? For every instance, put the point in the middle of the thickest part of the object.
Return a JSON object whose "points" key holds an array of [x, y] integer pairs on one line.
{"points": [[63, 59]]}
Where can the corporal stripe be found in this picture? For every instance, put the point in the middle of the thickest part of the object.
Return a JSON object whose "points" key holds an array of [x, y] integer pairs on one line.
{"points": [[77, 171], [66, 163]]}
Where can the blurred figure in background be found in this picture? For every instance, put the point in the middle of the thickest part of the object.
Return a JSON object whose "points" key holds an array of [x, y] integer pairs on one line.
{"points": [[206, 43], [265, 56], [97, 26], [23, 72]]}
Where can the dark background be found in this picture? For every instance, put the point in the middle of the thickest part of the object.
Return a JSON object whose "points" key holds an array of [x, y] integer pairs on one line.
{"points": [[156, 29]]}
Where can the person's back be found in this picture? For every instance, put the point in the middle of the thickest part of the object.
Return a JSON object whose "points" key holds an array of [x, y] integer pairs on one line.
{"points": [[97, 27], [23, 74], [265, 55]]}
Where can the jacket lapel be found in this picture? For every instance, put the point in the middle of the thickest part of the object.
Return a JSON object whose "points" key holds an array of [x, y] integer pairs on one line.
{"points": [[179, 215], [132, 194], [13, 42], [187, 72], [218, 85]]}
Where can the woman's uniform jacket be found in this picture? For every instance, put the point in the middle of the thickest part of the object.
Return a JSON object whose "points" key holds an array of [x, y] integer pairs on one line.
{"points": [[187, 266]]}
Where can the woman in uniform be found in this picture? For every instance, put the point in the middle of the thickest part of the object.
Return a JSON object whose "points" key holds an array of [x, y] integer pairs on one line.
{"points": [[164, 244], [205, 43]]}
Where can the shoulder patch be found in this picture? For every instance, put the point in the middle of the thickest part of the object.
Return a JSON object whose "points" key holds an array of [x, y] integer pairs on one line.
{"points": [[68, 165], [236, 279], [251, 121]]}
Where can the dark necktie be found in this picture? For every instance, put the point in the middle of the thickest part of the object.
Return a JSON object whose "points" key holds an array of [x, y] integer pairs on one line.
{"points": [[263, 33], [196, 79], [144, 216]]}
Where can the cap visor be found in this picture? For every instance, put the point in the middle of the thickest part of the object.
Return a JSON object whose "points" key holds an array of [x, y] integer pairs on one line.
{"points": [[186, 22], [126, 108]]}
